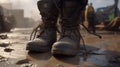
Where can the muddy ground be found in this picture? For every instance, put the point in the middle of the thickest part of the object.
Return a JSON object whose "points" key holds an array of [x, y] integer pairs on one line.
{"points": [[103, 52]]}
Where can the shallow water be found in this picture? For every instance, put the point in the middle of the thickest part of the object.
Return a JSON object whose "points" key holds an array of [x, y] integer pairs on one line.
{"points": [[109, 45]]}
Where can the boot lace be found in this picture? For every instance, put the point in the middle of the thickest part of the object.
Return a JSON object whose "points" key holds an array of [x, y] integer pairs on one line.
{"points": [[41, 29], [67, 32]]}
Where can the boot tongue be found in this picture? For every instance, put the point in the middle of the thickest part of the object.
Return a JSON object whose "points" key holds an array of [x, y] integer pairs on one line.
{"points": [[69, 30]]}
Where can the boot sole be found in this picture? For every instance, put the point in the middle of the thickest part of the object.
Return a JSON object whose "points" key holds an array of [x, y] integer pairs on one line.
{"points": [[68, 52], [38, 50]]}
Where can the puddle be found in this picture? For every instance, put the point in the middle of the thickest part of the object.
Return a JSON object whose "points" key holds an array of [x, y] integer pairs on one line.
{"points": [[96, 57], [98, 60]]}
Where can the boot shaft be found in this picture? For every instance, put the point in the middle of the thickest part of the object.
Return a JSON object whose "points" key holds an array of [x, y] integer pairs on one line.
{"points": [[48, 12], [71, 12]]}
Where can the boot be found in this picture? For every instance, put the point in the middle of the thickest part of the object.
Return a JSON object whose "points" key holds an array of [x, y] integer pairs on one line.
{"points": [[47, 35], [69, 41], [68, 44]]}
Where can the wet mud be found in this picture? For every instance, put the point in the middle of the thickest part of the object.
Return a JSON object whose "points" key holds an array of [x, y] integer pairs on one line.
{"points": [[103, 52]]}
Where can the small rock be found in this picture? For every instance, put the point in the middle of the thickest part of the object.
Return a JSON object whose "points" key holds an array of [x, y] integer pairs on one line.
{"points": [[23, 61], [4, 44], [3, 36], [59, 65], [28, 65], [8, 50]]}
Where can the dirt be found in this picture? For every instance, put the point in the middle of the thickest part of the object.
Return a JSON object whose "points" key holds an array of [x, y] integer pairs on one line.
{"points": [[103, 52]]}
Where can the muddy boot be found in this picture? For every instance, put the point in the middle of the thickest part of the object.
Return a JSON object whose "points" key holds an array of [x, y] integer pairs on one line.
{"points": [[47, 35], [68, 44], [69, 41]]}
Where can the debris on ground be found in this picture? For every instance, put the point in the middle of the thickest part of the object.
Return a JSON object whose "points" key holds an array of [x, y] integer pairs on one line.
{"points": [[60, 65], [28, 65], [24, 61], [8, 50], [5, 44], [2, 36]]}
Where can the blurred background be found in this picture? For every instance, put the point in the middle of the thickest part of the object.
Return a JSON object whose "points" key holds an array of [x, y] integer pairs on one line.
{"points": [[26, 14]]}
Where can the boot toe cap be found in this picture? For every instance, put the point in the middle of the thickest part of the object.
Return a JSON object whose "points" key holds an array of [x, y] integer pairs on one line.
{"points": [[37, 46], [61, 45], [64, 48]]}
